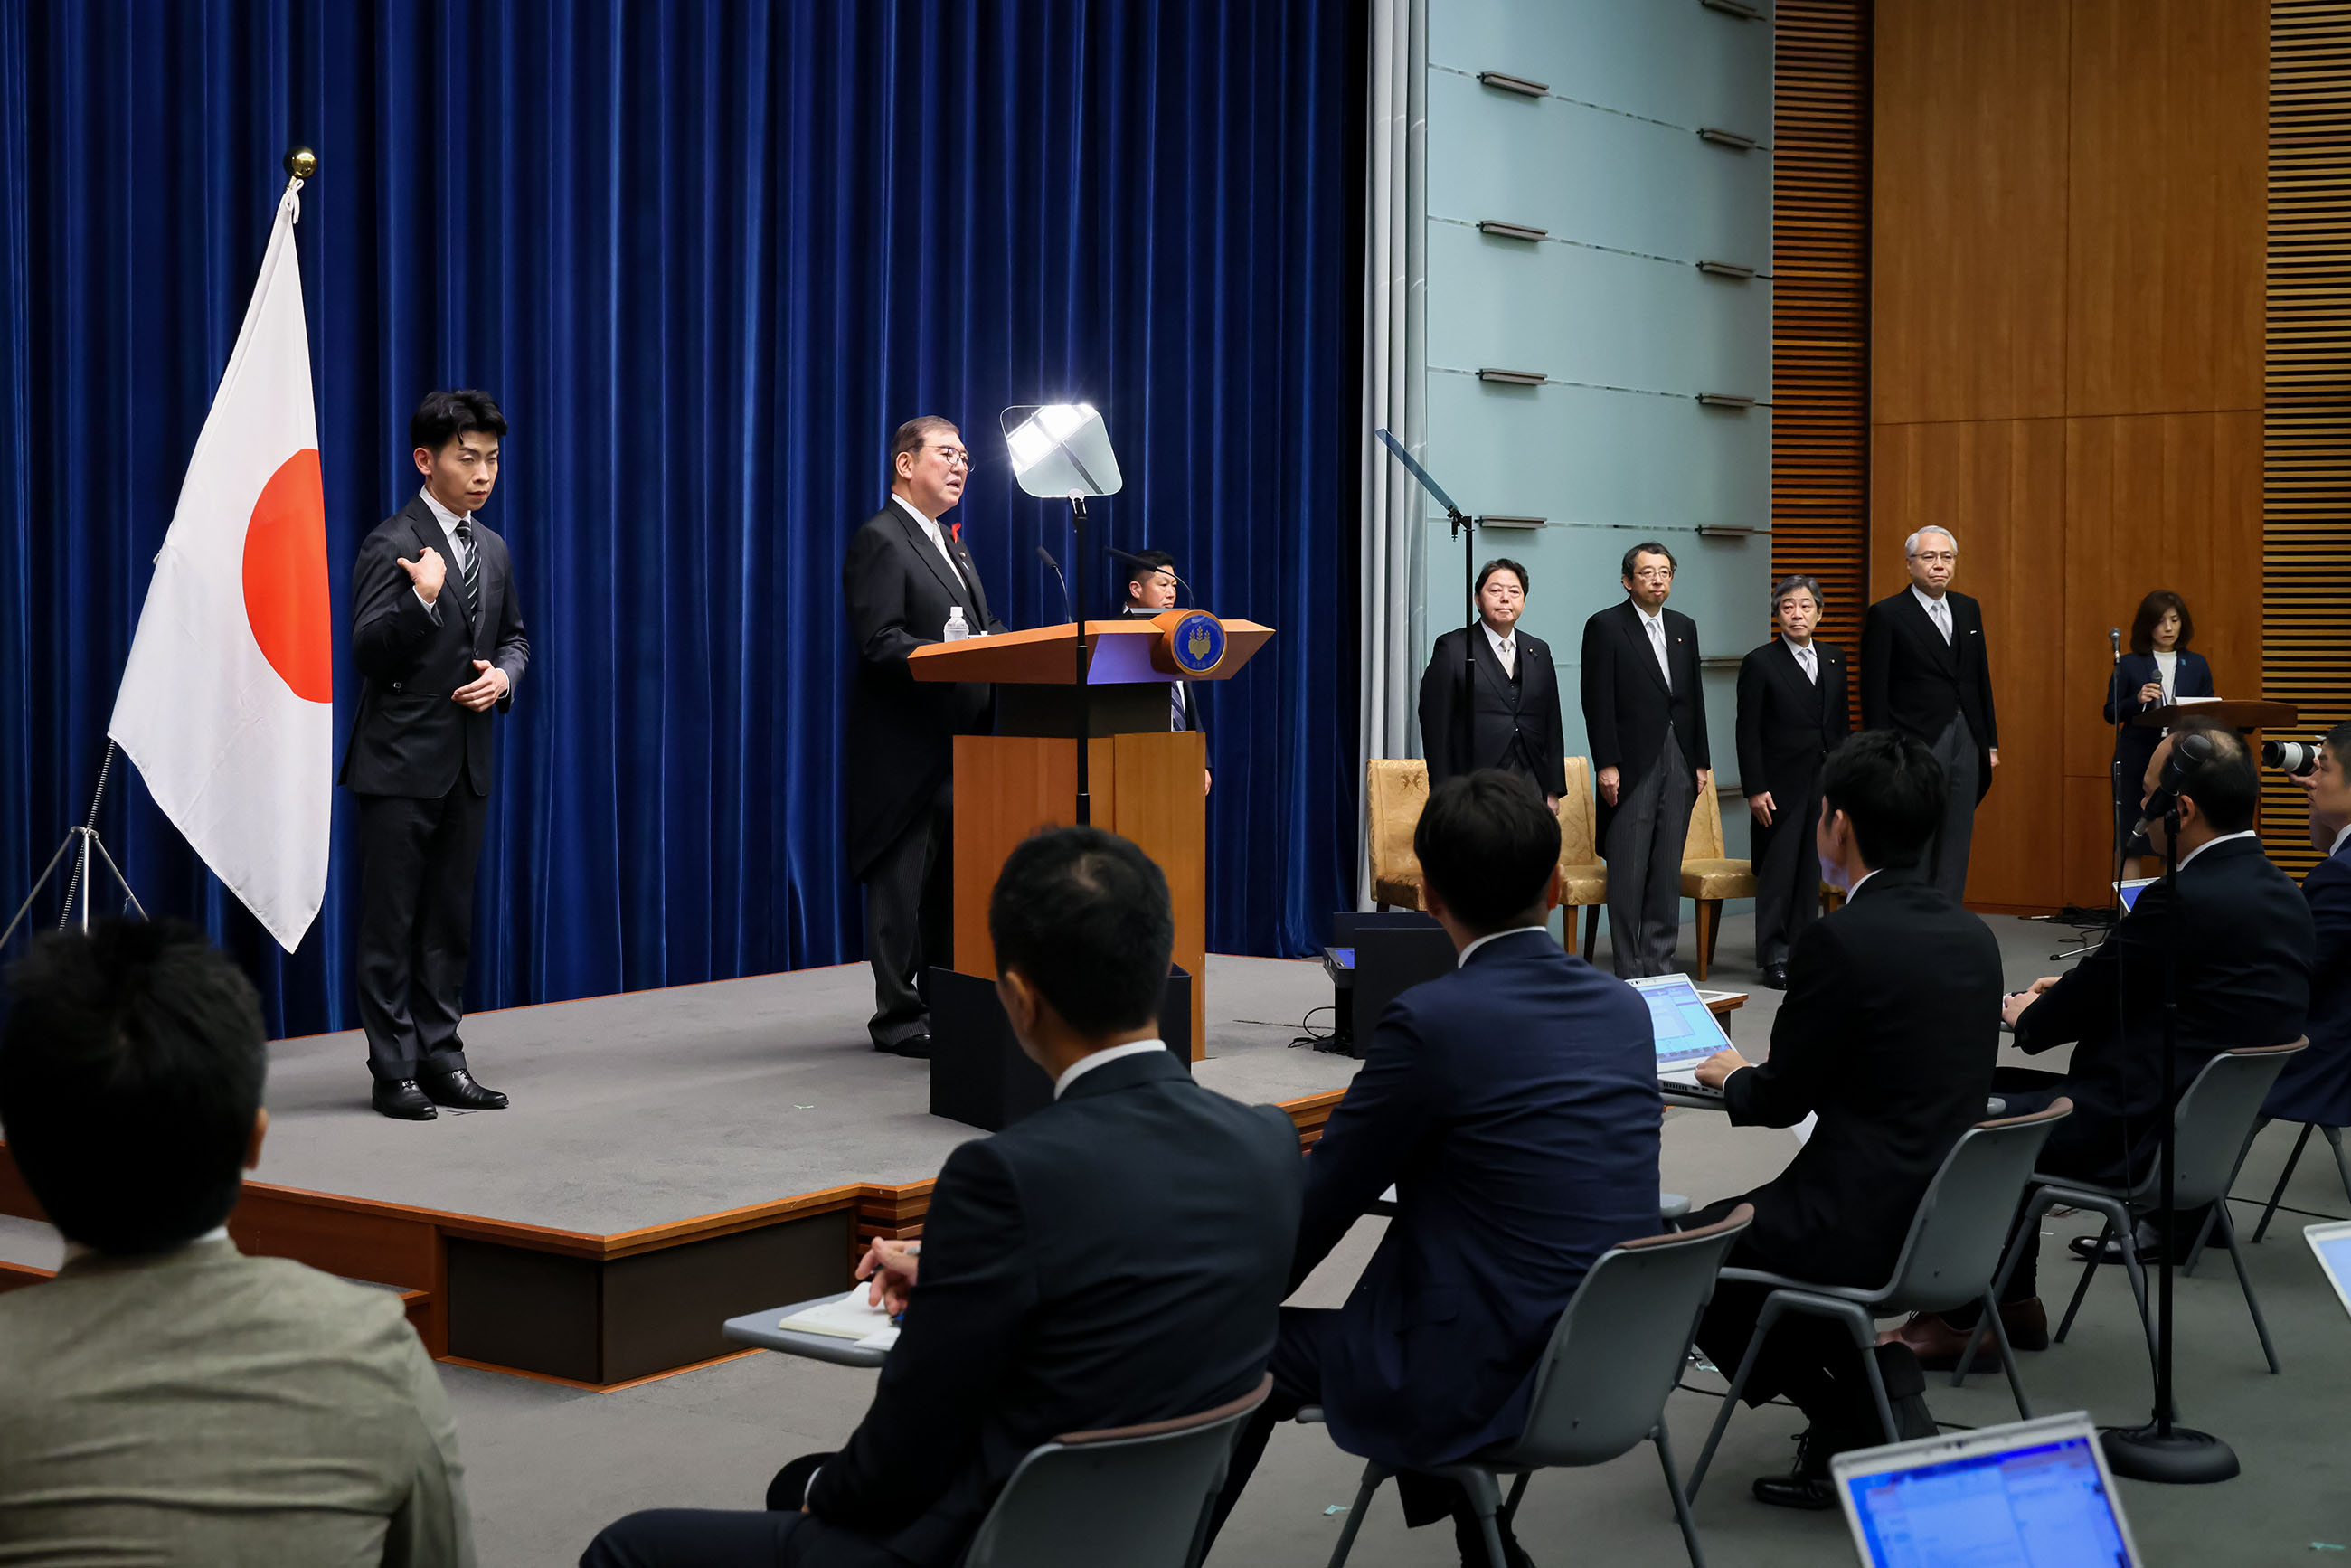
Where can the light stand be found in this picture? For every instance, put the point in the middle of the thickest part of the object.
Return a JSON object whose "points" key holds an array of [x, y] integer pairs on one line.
{"points": [[81, 873], [2161, 1450], [1085, 661], [1465, 530]]}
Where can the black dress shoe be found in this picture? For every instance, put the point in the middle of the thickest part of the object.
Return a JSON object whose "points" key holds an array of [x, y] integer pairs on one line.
{"points": [[402, 1100], [2148, 1242], [458, 1091], [1806, 1485], [917, 1046], [1775, 977]]}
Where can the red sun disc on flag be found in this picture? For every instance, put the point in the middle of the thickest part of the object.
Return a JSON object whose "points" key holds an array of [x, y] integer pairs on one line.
{"points": [[286, 599]]}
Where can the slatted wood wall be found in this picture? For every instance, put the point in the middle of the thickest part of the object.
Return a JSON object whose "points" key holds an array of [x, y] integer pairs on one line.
{"points": [[2306, 393], [1820, 304]]}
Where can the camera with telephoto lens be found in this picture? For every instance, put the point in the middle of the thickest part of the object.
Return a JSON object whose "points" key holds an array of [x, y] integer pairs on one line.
{"points": [[2294, 756]]}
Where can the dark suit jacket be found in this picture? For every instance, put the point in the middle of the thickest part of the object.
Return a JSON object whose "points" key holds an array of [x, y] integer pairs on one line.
{"points": [[1499, 714], [1788, 725], [1626, 707], [901, 732], [1117, 1257], [2246, 949], [1887, 1033], [2135, 747], [1514, 1105], [409, 739], [1913, 681], [1188, 689], [2316, 1083]]}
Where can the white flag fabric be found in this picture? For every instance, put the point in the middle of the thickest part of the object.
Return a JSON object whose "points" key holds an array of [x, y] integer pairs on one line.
{"points": [[227, 703]]}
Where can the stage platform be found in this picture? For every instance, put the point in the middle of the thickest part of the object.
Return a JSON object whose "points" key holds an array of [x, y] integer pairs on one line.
{"points": [[672, 1158]]}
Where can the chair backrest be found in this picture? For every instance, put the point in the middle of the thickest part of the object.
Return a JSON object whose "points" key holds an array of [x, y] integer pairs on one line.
{"points": [[1129, 1496], [1394, 789], [2212, 1121], [1962, 1224], [1579, 842], [1620, 1344], [1705, 840]]}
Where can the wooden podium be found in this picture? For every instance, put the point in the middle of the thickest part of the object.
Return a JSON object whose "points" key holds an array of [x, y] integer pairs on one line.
{"points": [[1144, 779], [2237, 713]]}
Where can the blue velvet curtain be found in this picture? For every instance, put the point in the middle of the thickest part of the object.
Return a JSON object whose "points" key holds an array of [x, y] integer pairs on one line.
{"points": [[707, 255]]}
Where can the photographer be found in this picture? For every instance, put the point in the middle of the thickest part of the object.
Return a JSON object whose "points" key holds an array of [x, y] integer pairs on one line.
{"points": [[2316, 1086]]}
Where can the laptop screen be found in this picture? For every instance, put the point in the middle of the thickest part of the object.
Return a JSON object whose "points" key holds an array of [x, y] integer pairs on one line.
{"points": [[1685, 1031], [2132, 889], [2037, 1505]]}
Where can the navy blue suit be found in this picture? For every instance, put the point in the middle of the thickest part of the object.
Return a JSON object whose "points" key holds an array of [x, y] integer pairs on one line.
{"points": [[2134, 746], [2316, 1083], [1514, 1104]]}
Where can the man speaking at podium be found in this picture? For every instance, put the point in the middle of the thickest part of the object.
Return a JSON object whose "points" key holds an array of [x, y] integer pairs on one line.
{"points": [[1151, 583], [907, 578]]}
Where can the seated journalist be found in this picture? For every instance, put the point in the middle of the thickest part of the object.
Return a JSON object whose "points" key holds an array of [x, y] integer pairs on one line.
{"points": [[1513, 1105], [1888, 1035], [2245, 947], [166, 1398], [1115, 1258]]}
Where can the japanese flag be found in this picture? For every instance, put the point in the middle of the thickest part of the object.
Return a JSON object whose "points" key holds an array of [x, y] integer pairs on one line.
{"points": [[227, 704]]}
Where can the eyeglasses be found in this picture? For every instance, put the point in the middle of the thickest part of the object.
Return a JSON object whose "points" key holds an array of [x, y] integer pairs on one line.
{"points": [[954, 457], [1944, 555]]}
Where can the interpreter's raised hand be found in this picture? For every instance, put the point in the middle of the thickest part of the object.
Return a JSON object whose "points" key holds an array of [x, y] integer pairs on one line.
{"points": [[488, 685], [1716, 1070], [890, 1266], [428, 571], [1611, 780], [1760, 806]]}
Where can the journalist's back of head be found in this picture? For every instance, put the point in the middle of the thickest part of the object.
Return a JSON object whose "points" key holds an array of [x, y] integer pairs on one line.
{"points": [[165, 1398]]}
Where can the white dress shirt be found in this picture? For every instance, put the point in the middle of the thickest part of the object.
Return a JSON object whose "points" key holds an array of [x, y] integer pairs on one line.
{"points": [[2166, 672], [1807, 660], [74, 1250], [2224, 838], [459, 547], [1506, 649], [932, 532], [1495, 936], [1938, 610], [1085, 1064], [1656, 626], [2337, 844]]}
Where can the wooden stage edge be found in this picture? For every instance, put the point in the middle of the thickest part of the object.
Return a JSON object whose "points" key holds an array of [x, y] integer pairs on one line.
{"points": [[595, 1311]]}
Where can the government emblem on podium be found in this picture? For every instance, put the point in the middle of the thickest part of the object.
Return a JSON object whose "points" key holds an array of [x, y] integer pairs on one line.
{"points": [[1197, 643]]}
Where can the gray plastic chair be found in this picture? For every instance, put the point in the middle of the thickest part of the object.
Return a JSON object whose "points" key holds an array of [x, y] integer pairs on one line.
{"points": [[1127, 1497], [1601, 1388], [1948, 1260], [2342, 1166], [2211, 1124]]}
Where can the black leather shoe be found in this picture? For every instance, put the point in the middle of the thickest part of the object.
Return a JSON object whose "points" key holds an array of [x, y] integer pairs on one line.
{"points": [[917, 1046], [402, 1100], [1775, 977], [459, 1091], [1807, 1485], [2147, 1241]]}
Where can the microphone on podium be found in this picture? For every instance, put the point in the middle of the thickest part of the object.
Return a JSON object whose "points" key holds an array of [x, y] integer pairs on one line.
{"points": [[1133, 560], [1047, 557], [2115, 640]]}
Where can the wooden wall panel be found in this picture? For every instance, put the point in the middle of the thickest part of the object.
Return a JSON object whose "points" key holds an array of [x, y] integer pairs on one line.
{"points": [[1820, 303], [1969, 210], [2164, 241], [2306, 391]]}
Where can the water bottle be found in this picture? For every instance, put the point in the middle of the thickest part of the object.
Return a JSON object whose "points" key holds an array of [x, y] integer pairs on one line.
{"points": [[955, 630]]}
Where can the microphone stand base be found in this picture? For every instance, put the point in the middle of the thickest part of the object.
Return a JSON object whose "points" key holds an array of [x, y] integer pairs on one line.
{"points": [[2183, 1456]]}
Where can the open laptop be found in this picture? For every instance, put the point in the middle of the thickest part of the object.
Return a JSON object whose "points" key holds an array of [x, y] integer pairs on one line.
{"points": [[2030, 1494], [1686, 1032], [2131, 890], [2331, 1243]]}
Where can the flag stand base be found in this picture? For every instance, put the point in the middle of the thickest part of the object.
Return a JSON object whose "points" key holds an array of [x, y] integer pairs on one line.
{"points": [[79, 877]]}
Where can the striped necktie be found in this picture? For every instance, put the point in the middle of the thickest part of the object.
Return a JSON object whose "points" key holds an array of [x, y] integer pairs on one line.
{"points": [[472, 569]]}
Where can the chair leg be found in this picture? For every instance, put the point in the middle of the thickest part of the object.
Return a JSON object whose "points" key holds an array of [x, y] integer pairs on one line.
{"points": [[2007, 1355], [2285, 1176], [2028, 1227], [2203, 1234], [2089, 1271], [1772, 1308], [1591, 929], [1380, 905], [1866, 1343], [1373, 1474], [1681, 1500], [2245, 1283], [1486, 1502], [1709, 921], [1518, 1490]]}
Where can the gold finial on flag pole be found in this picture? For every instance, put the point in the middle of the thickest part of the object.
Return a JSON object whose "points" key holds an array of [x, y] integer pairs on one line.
{"points": [[300, 161]]}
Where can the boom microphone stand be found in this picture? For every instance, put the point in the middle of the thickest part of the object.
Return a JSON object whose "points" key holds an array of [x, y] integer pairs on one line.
{"points": [[1466, 531]]}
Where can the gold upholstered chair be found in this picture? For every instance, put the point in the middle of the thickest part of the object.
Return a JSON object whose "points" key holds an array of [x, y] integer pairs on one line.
{"points": [[1394, 789], [1583, 874], [1707, 877]]}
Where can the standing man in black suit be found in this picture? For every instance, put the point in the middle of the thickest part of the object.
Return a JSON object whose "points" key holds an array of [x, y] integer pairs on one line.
{"points": [[1513, 1105], [1490, 697], [1888, 1035], [906, 579], [436, 632], [1645, 717], [1116, 1259], [1792, 715], [1925, 672], [1151, 583]]}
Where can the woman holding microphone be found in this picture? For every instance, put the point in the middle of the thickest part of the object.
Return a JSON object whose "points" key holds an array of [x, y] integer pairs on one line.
{"points": [[2158, 671]]}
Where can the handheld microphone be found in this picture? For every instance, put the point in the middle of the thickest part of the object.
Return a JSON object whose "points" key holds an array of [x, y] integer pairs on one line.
{"points": [[1047, 557], [1133, 560], [2115, 639]]}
